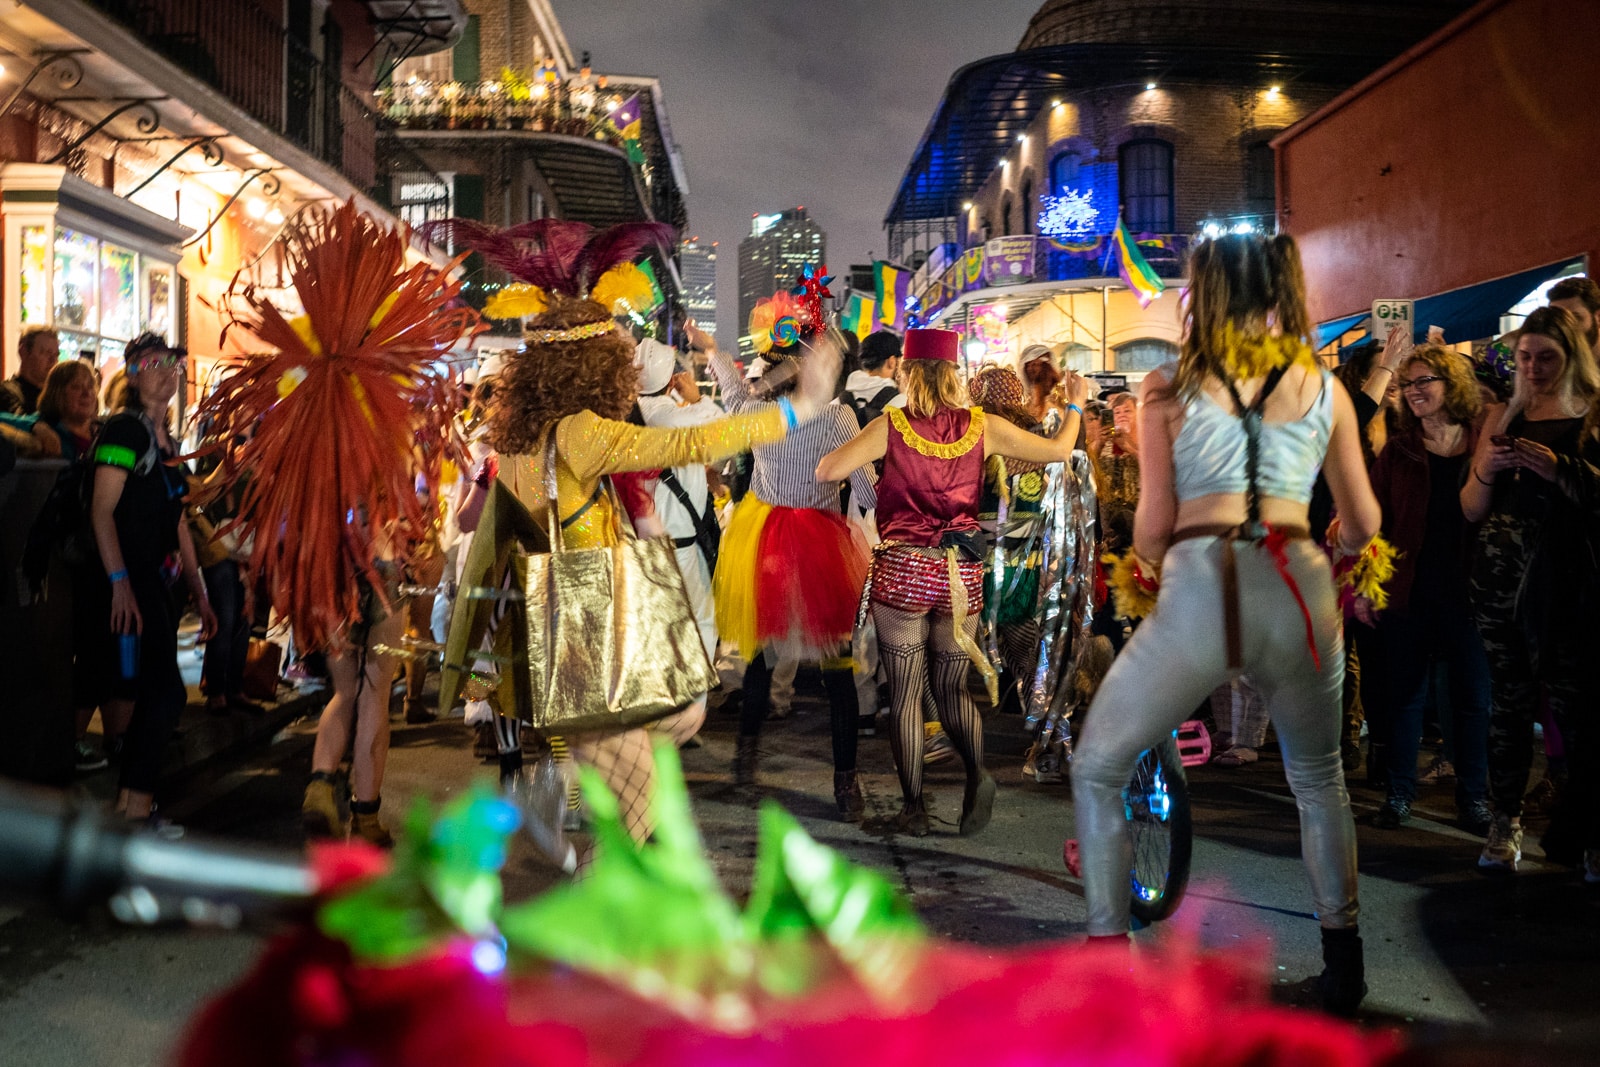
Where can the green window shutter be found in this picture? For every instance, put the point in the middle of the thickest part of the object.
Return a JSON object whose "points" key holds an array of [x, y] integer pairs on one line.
{"points": [[469, 196], [464, 59]]}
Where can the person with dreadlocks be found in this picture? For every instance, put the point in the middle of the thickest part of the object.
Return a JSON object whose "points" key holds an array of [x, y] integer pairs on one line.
{"points": [[354, 418], [927, 577], [574, 382], [1231, 438], [789, 574]]}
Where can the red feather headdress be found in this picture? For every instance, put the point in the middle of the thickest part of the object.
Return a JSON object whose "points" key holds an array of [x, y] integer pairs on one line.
{"points": [[339, 420]]}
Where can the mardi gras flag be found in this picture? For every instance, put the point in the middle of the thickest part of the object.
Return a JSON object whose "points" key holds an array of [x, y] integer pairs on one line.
{"points": [[627, 119], [649, 270], [894, 285], [859, 315], [1136, 272]]}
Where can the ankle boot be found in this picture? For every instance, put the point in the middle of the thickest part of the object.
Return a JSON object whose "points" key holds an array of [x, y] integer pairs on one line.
{"points": [[365, 824], [319, 811], [978, 803], [913, 819], [744, 761], [847, 794], [1342, 983]]}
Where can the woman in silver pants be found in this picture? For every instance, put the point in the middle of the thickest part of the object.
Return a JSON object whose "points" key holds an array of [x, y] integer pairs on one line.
{"points": [[1232, 437]]}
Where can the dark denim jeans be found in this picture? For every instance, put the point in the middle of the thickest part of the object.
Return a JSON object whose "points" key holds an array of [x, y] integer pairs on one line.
{"points": [[1412, 643]]}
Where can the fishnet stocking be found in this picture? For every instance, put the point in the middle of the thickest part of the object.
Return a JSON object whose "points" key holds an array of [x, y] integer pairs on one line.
{"points": [[627, 762], [1019, 649], [904, 643]]}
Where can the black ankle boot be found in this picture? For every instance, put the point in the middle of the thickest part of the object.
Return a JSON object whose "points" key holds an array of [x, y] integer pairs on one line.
{"points": [[744, 761], [510, 766], [1342, 983], [847, 794]]}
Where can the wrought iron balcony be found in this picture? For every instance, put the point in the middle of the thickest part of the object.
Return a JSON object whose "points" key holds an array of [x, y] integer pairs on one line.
{"points": [[247, 57], [510, 102]]}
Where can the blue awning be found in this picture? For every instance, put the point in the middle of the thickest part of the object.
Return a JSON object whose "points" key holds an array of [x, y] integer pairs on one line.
{"points": [[1466, 314]]}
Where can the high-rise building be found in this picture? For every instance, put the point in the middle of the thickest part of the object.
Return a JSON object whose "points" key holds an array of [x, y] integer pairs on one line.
{"points": [[697, 263], [771, 257]]}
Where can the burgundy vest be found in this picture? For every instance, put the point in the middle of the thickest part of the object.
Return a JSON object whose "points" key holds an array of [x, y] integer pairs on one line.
{"points": [[921, 495]]}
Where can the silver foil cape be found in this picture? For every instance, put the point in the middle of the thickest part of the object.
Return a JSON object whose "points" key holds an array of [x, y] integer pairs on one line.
{"points": [[1065, 611]]}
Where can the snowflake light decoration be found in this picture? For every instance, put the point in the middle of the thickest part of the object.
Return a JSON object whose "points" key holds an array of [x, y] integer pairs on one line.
{"points": [[1072, 214]]}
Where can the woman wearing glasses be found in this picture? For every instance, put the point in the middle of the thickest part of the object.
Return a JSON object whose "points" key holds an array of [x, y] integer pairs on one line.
{"points": [[139, 527], [1418, 480]]}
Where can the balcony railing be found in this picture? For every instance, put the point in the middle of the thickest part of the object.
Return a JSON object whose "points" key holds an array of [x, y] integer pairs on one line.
{"points": [[510, 102], [245, 55]]}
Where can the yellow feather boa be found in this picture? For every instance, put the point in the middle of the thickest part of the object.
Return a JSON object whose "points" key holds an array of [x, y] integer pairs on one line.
{"points": [[1366, 573], [1135, 599], [1253, 357]]}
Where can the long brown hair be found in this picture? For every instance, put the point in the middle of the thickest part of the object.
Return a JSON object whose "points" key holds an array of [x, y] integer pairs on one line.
{"points": [[1462, 400], [63, 376], [931, 385], [548, 381], [1580, 379], [1244, 289]]}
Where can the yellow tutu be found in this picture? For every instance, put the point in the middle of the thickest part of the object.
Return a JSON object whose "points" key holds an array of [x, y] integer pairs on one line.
{"points": [[734, 584]]}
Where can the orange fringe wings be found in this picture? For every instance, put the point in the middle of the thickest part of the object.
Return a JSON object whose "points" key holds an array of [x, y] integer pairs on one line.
{"points": [[349, 409]]}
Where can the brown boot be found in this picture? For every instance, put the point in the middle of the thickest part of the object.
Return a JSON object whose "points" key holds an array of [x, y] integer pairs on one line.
{"points": [[319, 811], [913, 819], [847, 794], [366, 825], [744, 761]]}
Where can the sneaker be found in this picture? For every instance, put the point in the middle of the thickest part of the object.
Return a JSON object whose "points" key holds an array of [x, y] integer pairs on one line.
{"points": [[1440, 770], [1591, 866], [1043, 764], [87, 758], [1395, 811], [1503, 850], [937, 746], [1475, 817], [1541, 798]]}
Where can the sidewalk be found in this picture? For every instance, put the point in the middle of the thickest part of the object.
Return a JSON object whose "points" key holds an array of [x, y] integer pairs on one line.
{"points": [[202, 737]]}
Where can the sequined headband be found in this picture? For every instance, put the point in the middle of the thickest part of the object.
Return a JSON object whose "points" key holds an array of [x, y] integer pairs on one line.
{"points": [[571, 333]]}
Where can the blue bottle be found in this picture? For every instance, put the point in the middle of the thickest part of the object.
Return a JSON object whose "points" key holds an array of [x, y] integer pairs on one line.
{"points": [[128, 646]]}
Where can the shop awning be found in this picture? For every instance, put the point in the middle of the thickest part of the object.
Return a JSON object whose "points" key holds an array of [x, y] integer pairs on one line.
{"points": [[1470, 313]]}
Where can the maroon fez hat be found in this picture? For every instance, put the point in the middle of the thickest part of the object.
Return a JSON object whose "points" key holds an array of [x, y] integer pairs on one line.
{"points": [[931, 344]]}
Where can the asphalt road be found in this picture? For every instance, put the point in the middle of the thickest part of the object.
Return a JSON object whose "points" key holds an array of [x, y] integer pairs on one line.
{"points": [[1449, 951]]}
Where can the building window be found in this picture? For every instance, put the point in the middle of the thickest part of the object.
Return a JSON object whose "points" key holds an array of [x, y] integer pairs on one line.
{"points": [[1147, 353], [420, 197], [1027, 206], [1005, 215], [1261, 180], [1064, 172], [464, 62], [1146, 172], [988, 229], [1080, 358]]}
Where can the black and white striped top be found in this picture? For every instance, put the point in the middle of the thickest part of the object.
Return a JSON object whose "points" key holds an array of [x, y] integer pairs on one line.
{"points": [[785, 472]]}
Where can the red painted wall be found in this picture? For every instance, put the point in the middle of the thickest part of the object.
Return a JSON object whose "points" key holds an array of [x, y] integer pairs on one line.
{"points": [[1474, 156]]}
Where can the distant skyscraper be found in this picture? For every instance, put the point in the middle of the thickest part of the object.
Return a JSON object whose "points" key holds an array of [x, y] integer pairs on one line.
{"points": [[771, 258], [698, 265]]}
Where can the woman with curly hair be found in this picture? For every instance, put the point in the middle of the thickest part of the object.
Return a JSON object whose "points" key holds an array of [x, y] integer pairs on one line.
{"points": [[1417, 479], [1532, 486], [1231, 439], [574, 382], [927, 577]]}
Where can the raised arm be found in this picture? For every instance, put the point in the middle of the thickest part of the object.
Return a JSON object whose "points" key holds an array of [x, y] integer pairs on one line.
{"points": [[868, 446]]}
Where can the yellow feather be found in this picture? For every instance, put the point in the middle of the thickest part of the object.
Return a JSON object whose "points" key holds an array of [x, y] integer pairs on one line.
{"points": [[624, 288], [1133, 600], [516, 302], [1371, 570]]}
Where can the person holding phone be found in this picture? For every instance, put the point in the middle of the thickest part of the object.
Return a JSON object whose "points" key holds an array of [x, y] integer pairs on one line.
{"points": [[1532, 575], [137, 511]]}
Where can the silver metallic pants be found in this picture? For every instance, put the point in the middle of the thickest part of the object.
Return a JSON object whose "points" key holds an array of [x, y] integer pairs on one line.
{"points": [[1175, 658]]}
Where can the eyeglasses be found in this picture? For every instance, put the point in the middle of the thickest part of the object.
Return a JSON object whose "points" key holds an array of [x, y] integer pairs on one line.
{"points": [[162, 362], [1421, 383]]}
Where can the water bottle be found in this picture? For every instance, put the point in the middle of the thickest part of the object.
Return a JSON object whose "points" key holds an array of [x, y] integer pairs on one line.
{"points": [[128, 646]]}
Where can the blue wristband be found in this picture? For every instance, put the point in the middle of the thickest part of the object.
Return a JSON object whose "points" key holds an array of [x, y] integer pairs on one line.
{"points": [[790, 419], [1074, 407], [117, 576]]}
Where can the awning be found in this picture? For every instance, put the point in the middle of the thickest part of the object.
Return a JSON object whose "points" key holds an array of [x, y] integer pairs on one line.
{"points": [[1466, 314]]}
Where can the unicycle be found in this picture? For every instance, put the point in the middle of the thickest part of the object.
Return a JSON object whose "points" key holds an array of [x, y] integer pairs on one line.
{"points": [[1156, 801]]}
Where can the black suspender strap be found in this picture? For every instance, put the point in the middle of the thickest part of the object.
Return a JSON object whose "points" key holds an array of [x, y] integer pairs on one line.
{"points": [[1251, 416]]}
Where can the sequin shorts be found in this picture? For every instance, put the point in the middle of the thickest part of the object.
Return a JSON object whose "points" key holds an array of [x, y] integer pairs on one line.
{"points": [[907, 580]]}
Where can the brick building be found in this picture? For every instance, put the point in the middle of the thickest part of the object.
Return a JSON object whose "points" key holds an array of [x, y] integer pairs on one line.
{"points": [[1156, 111], [512, 126]]}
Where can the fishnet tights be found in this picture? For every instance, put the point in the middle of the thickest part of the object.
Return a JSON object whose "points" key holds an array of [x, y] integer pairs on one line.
{"points": [[905, 641]]}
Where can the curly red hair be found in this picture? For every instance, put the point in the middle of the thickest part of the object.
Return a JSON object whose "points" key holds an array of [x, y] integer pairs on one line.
{"points": [[549, 381]]}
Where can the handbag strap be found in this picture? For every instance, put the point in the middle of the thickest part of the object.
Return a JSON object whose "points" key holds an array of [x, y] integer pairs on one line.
{"points": [[622, 530]]}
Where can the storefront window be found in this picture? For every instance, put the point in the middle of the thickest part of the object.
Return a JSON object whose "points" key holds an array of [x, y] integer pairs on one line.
{"points": [[158, 300], [119, 297], [35, 279], [76, 278]]}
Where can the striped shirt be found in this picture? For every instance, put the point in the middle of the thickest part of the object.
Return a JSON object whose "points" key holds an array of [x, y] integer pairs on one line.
{"points": [[785, 472]]}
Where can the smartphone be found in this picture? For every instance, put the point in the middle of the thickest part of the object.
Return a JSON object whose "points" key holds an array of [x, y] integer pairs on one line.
{"points": [[1502, 440]]}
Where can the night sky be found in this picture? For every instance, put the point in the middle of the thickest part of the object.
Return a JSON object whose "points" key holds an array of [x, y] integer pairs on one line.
{"points": [[777, 104]]}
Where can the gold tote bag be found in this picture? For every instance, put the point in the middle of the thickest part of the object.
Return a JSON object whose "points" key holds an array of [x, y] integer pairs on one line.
{"points": [[601, 638]]}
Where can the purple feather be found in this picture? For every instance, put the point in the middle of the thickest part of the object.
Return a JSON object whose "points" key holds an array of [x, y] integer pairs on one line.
{"points": [[556, 255], [621, 244]]}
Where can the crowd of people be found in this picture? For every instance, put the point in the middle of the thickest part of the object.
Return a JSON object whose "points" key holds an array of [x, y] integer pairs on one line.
{"points": [[867, 508]]}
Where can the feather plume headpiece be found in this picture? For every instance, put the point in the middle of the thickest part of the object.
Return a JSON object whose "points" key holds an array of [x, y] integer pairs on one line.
{"points": [[554, 260], [325, 435]]}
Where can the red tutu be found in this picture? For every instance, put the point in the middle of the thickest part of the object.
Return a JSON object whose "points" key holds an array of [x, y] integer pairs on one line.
{"points": [[809, 574]]}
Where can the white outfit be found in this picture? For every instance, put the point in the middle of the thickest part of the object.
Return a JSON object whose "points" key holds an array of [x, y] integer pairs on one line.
{"points": [[666, 412]]}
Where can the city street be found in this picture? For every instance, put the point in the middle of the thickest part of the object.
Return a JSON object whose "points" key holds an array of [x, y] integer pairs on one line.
{"points": [[1445, 946]]}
